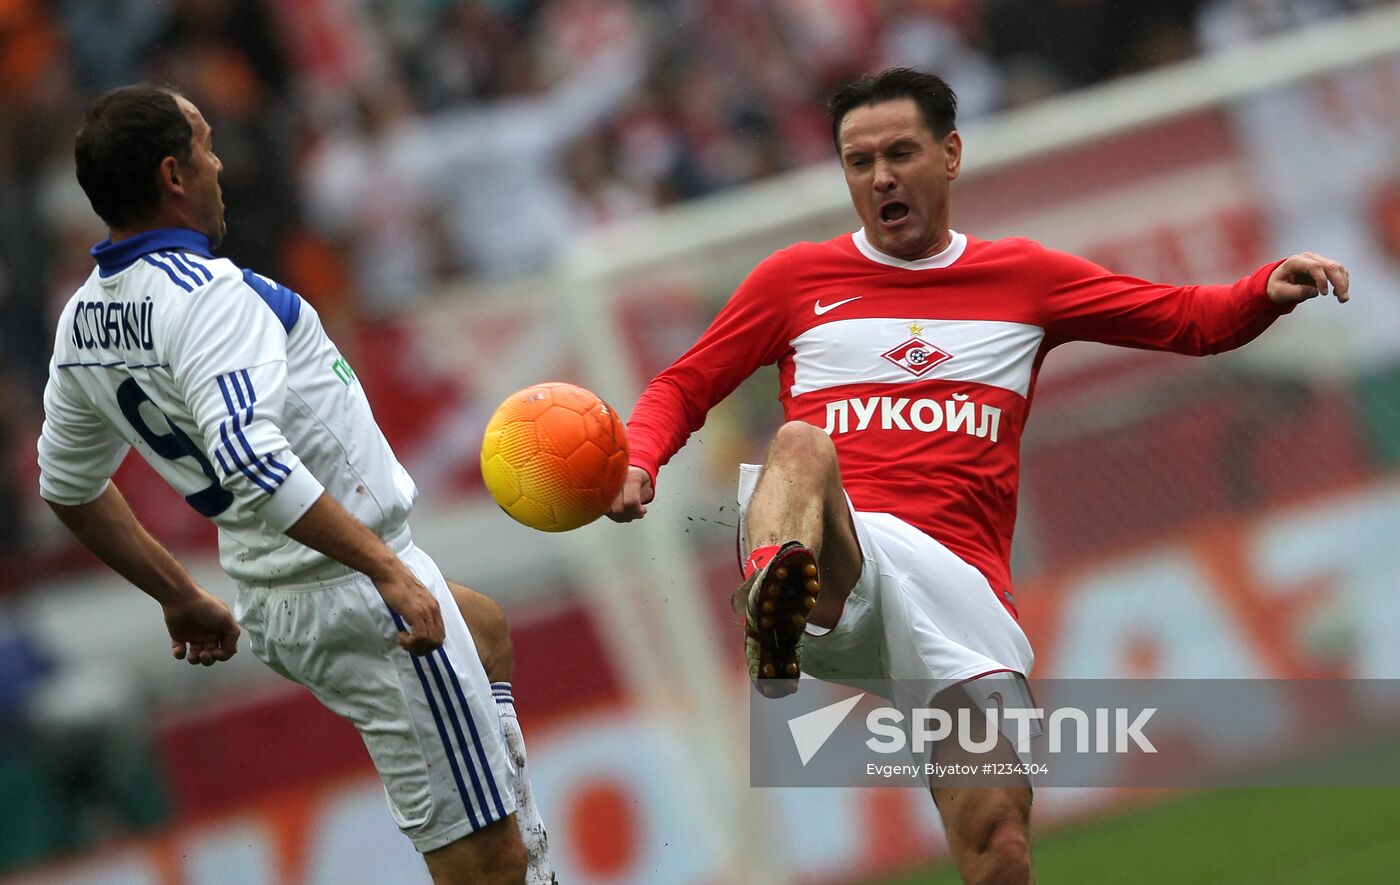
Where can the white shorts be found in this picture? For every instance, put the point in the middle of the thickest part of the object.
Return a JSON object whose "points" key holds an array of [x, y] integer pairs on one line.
{"points": [[918, 613], [430, 723]]}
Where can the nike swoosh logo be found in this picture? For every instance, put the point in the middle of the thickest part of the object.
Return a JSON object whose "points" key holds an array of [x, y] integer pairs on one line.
{"points": [[820, 308]]}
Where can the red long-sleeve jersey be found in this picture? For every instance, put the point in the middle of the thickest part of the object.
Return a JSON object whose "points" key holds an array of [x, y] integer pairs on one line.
{"points": [[922, 371]]}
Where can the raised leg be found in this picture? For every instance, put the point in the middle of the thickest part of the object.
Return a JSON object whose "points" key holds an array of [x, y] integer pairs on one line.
{"points": [[799, 498]]}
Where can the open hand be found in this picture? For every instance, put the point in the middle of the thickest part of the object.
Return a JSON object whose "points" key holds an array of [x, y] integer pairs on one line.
{"points": [[202, 630], [637, 492], [1307, 275]]}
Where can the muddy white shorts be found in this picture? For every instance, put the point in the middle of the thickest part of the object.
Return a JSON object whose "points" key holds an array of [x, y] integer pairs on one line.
{"points": [[430, 722], [918, 613]]}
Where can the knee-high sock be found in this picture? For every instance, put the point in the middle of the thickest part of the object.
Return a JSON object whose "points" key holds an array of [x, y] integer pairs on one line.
{"points": [[539, 870]]}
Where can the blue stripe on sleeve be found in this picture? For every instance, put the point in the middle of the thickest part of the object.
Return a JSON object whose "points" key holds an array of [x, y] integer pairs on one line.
{"points": [[284, 303], [253, 459], [252, 394], [168, 272], [247, 384], [243, 468], [223, 388], [235, 382], [228, 403], [273, 470]]}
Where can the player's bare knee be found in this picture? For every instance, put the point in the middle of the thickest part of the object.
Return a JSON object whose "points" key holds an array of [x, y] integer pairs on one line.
{"points": [[803, 446], [498, 652], [494, 855], [800, 438], [486, 621]]}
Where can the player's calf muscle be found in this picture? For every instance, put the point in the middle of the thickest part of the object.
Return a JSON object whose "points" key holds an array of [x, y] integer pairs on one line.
{"points": [[1004, 858], [989, 832], [1007, 854], [493, 855]]}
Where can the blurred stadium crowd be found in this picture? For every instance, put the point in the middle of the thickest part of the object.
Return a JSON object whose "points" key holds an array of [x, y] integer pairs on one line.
{"points": [[374, 150]]}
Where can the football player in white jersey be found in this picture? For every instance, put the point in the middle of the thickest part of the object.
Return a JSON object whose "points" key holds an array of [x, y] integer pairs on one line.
{"points": [[227, 384]]}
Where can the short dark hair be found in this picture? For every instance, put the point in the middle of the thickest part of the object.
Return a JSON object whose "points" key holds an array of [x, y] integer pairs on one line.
{"points": [[124, 137], [937, 103]]}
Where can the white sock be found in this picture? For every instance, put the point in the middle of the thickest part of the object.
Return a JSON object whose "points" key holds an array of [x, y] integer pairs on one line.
{"points": [[538, 870]]}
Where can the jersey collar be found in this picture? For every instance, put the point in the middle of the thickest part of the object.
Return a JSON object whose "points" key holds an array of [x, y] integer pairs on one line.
{"points": [[951, 253], [115, 257]]}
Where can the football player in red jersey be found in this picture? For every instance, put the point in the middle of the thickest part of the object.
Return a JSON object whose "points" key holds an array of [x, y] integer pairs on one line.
{"points": [[879, 527]]}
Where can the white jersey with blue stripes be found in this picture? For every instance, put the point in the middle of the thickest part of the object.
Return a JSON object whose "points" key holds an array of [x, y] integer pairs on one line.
{"points": [[227, 384]]}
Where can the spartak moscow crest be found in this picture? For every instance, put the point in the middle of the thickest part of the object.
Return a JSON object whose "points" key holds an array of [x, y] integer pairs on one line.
{"points": [[916, 356]]}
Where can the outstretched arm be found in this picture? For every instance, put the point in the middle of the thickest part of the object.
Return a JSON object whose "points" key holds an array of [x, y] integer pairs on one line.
{"points": [[1084, 302], [201, 627], [751, 330]]}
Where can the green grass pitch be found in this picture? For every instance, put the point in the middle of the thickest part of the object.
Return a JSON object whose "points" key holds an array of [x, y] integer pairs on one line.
{"points": [[1234, 836]]}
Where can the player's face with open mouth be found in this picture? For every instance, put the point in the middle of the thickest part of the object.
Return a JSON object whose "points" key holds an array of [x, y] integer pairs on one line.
{"points": [[898, 175]]}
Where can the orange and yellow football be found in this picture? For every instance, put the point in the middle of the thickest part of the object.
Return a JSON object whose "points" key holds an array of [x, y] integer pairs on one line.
{"points": [[554, 456]]}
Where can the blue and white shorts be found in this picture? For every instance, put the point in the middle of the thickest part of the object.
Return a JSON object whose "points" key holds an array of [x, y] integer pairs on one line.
{"points": [[430, 723]]}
